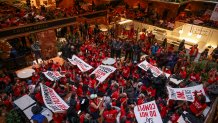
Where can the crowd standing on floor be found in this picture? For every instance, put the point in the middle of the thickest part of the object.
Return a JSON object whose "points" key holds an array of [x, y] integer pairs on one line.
{"points": [[115, 98]]}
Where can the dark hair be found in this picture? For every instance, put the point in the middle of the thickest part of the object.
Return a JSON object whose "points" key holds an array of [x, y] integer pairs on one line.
{"points": [[203, 99], [92, 76], [36, 109]]}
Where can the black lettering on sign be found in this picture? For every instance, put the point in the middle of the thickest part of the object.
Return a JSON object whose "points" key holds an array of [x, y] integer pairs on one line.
{"points": [[54, 107], [46, 95], [105, 69], [149, 120]]}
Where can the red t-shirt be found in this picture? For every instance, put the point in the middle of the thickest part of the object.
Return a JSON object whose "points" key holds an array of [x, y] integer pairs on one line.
{"points": [[110, 115], [35, 79], [195, 77], [92, 83], [175, 117], [163, 111], [58, 118], [167, 71], [39, 98], [170, 49], [183, 74], [140, 101], [197, 107], [90, 107], [126, 72], [115, 95], [142, 36], [152, 91]]}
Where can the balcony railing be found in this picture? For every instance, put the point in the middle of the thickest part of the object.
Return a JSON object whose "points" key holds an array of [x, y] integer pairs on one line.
{"points": [[39, 26]]}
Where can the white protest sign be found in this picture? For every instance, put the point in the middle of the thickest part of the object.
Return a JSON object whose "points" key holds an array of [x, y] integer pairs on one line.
{"points": [[52, 75], [145, 66], [187, 94], [214, 15], [71, 61], [147, 113], [83, 66], [102, 72], [52, 100]]}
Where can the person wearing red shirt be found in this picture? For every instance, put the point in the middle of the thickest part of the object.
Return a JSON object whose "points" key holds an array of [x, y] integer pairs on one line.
{"points": [[171, 48], [39, 98], [193, 52], [167, 70], [163, 110], [141, 99], [126, 72], [174, 117], [92, 84], [152, 61], [58, 118], [142, 36], [110, 115], [115, 94], [195, 77], [151, 91], [94, 105], [122, 81], [102, 88], [183, 73], [199, 104]]}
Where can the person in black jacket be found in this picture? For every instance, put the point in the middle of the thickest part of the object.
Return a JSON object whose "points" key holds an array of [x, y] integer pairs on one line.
{"points": [[136, 52], [128, 50]]}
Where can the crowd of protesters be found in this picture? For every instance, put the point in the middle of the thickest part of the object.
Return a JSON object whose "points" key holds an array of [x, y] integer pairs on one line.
{"points": [[128, 86]]}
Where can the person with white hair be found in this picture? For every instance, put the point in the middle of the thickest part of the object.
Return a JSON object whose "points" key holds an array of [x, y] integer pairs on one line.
{"points": [[94, 106]]}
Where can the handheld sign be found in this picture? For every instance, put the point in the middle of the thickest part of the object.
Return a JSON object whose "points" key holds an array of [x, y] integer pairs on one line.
{"points": [[52, 100], [147, 113], [102, 72]]}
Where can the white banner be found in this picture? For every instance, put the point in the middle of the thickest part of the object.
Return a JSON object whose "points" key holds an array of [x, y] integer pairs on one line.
{"points": [[102, 72], [83, 66], [155, 71], [52, 100], [147, 113], [187, 94], [52, 75], [214, 15]]}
